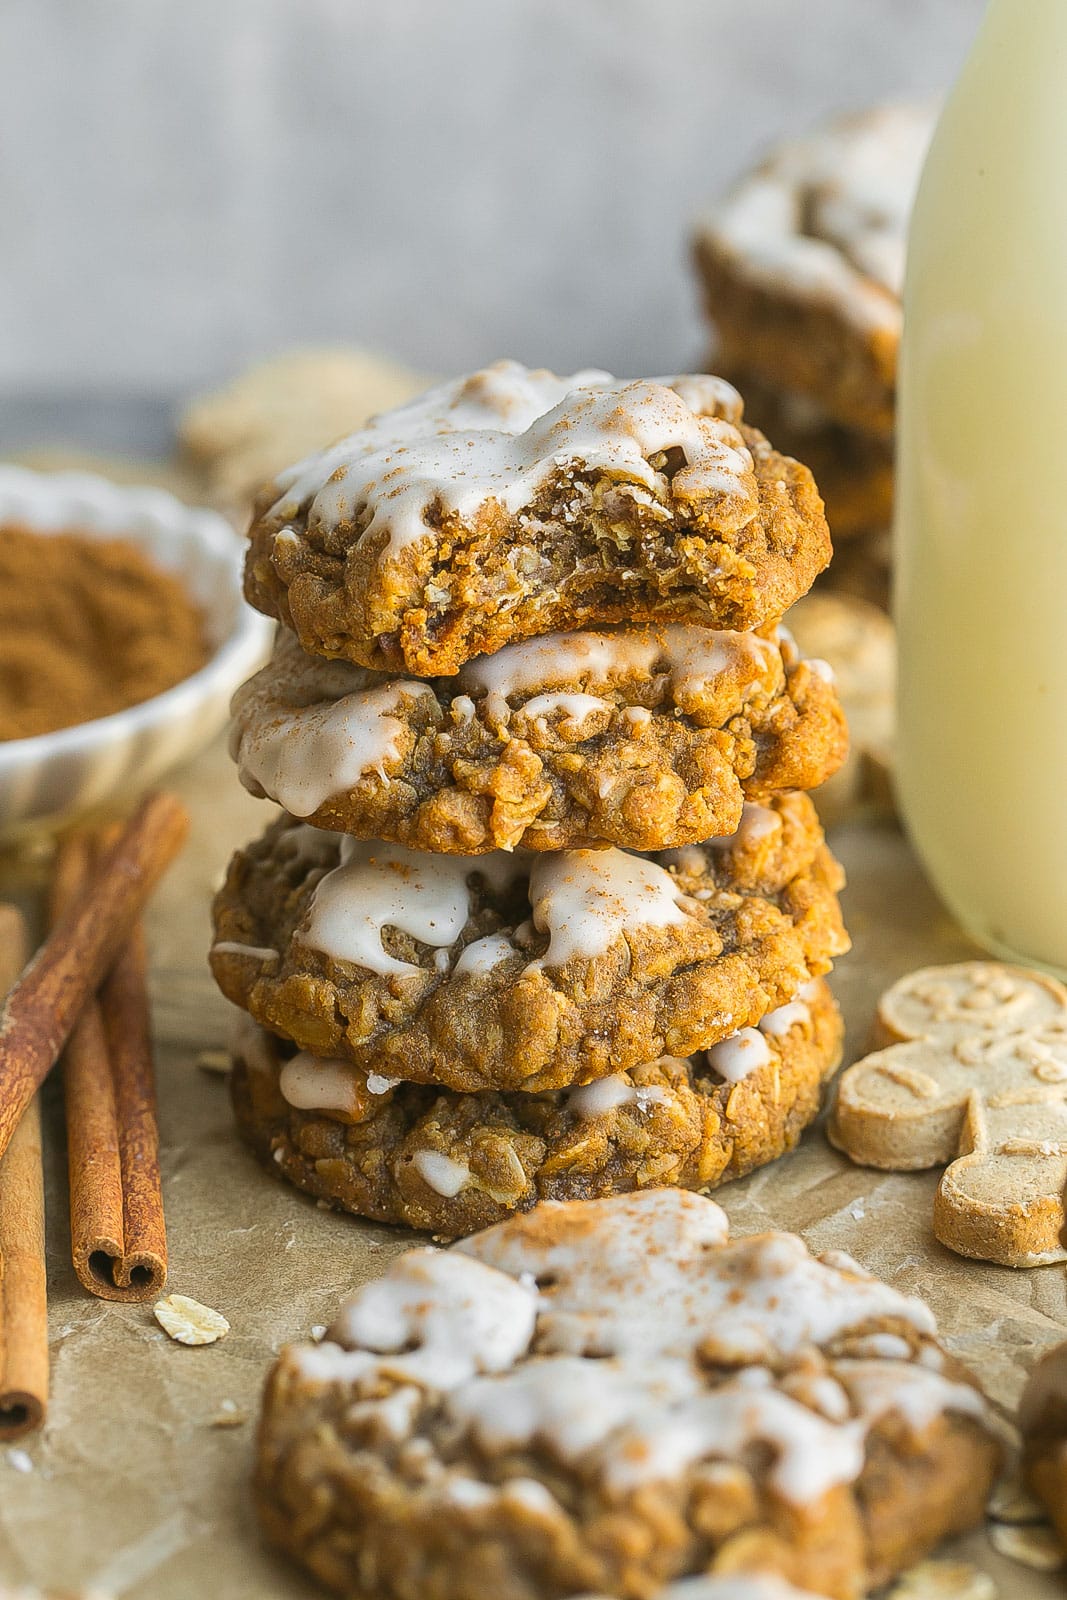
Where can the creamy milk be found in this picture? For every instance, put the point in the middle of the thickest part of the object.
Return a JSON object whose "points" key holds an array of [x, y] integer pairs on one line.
{"points": [[981, 581]]}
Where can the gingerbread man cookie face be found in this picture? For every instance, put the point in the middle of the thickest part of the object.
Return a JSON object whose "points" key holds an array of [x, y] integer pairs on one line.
{"points": [[978, 1083]]}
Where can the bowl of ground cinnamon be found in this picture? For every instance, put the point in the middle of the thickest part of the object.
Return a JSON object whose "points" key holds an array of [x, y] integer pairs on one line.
{"points": [[123, 633]]}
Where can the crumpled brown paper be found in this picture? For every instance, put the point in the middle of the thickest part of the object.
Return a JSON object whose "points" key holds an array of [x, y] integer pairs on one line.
{"points": [[135, 1487]]}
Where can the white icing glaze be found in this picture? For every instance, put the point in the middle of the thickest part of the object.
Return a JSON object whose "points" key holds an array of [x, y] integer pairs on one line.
{"points": [[826, 216], [445, 1176], [690, 657], [586, 899], [448, 1316], [306, 730], [604, 1095], [500, 435], [315, 1083], [576, 708], [757, 822], [651, 1286], [738, 1586], [500, 1329], [385, 885], [378, 1083], [909, 1390], [483, 955], [255, 952], [778, 1023], [743, 1052]]}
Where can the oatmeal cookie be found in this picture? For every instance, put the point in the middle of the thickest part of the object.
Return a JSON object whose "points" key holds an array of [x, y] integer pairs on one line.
{"points": [[520, 971], [803, 264], [609, 1395], [511, 503], [642, 738], [453, 1163], [237, 437]]}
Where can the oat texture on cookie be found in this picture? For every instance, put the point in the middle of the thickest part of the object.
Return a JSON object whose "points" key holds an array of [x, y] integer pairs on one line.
{"points": [[512, 502], [452, 1163], [548, 910], [525, 971], [614, 1395], [975, 1082], [647, 737]]}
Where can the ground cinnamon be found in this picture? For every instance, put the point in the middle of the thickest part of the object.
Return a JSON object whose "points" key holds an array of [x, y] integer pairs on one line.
{"points": [[87, 627]]}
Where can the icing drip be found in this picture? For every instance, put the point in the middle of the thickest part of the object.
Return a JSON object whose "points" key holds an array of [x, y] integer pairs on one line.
{"points": [[483, 955], [778, 1023], [586, 899], [692, 657], [313, 1083], [743, 1052], [597, 1099], [380, 886], [501, 434], [304, 757], [255, 952], [445, 1176]]}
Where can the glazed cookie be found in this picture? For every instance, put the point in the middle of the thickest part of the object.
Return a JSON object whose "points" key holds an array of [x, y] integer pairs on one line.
{"points": [[609, 1395], [983, 1089], [803, 264], [511, 503], [643, 738], [237, 437], [453, 1163], [1043, 1424], [524, 971]]}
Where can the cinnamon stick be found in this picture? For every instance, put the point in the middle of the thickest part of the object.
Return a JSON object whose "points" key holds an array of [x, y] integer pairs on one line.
{"points": [[23, 1301], [118, 1237], [42, 1007]]}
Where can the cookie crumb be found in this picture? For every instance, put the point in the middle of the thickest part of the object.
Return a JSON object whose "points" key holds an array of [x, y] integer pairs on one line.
{"points": [[229, 1415], [188, 1322], [1034, 1547], [216, 1062], [318, 1332], [944, 1580]]}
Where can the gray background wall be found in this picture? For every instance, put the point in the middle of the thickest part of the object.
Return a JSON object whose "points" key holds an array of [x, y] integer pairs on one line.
{"points": [[185, 184]]}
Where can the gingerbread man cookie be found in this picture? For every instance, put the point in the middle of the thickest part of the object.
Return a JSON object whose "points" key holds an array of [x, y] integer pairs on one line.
{"points": [[974, 1076]]}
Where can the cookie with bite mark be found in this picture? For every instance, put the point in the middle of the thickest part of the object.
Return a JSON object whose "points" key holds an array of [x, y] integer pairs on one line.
{"points": [[513, 503]]}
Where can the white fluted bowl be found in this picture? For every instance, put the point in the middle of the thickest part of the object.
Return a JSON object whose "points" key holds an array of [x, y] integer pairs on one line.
{"points": [[56, 776]]}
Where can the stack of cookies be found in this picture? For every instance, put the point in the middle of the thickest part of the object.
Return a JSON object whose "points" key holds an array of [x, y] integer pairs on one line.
{"points": [[548, 912], [802, 268]]}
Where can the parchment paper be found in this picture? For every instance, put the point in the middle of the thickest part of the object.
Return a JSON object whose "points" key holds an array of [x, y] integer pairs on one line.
{"points": [[131, 1490]]}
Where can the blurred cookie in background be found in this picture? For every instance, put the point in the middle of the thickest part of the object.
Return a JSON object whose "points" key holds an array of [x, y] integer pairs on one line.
{"points": [[859, 642], [234, 438]]}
